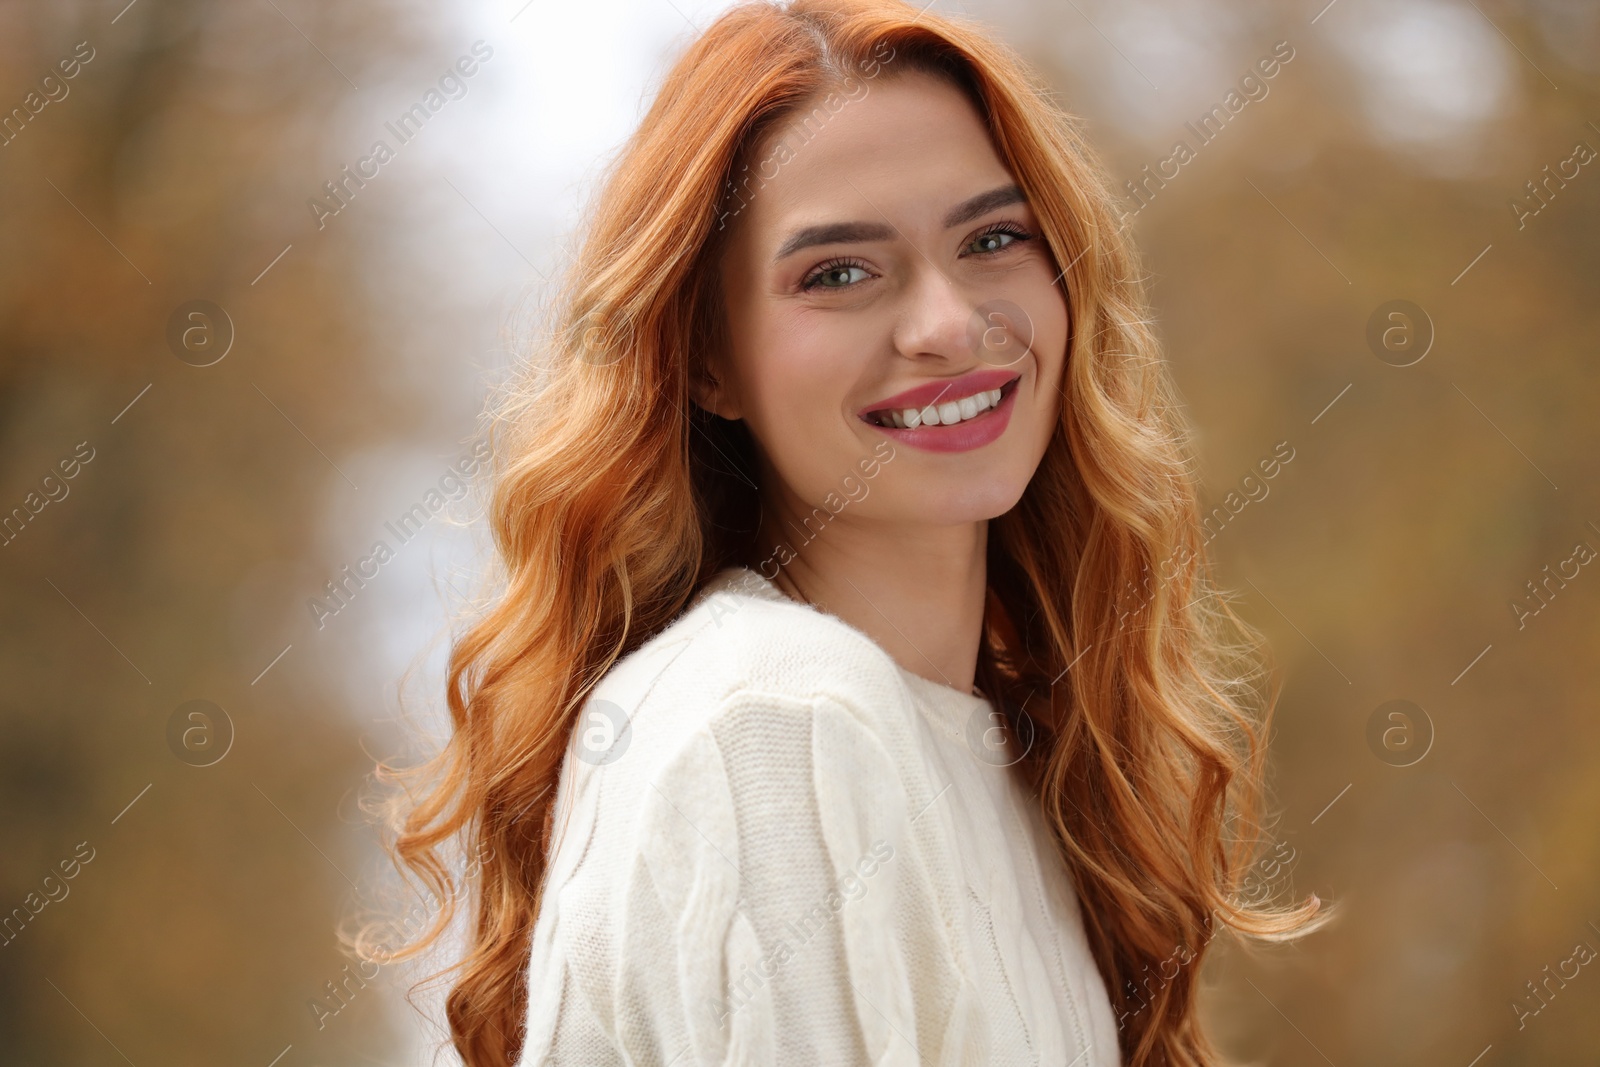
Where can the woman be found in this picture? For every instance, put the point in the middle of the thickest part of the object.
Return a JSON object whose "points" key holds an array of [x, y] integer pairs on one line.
{"points": [[855, 694]]}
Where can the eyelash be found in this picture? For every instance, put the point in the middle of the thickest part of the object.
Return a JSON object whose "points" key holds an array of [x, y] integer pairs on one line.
{"points": [[1013, 229]]}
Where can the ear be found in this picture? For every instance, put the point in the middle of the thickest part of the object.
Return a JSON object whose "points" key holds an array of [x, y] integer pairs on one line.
{"points": [[707, 389]]}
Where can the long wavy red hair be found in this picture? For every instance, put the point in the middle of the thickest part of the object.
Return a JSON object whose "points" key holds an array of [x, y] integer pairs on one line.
{"points": [[614, 499]]}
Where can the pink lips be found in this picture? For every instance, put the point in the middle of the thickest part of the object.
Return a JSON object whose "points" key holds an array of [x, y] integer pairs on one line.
{"points": [[964, 436], [943, 392]]}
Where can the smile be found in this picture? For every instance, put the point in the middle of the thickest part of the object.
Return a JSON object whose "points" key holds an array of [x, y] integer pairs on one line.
{"points": [[936, 423], [947, 413]]}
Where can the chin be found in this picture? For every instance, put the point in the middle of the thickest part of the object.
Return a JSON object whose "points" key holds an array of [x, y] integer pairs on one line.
{"points": [[950, 504]]}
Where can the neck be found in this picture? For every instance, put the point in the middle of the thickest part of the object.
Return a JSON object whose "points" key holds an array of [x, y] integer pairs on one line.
{"points": [[916, 590]]}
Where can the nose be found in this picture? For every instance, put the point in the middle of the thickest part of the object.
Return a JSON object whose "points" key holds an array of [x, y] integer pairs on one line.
{"points": [[935, 321]]}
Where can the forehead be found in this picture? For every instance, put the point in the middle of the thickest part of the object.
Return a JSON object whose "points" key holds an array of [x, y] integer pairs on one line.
{"points": [[904, 146]]}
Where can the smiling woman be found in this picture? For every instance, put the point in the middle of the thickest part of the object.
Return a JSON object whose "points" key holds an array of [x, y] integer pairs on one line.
{"points": [[1057, 796]]}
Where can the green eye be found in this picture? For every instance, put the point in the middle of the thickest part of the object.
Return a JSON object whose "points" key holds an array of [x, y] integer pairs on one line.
{"points": [[993, 241], [838, 276]]}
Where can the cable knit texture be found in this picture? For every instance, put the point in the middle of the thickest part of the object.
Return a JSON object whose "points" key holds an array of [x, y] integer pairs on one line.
{"points": [[774, 845]]}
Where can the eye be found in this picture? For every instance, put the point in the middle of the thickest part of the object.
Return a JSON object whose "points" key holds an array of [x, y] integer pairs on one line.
{"points": [[838, 275], [997, 238]]}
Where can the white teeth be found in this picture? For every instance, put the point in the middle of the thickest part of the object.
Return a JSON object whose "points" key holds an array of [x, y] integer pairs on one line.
{"points": [[947, 413]]}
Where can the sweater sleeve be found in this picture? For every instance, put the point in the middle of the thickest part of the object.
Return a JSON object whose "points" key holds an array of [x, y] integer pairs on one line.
{"points": [[774, 906]]}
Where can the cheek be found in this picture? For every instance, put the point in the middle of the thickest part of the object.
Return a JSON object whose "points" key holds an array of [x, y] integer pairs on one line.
{"points": [[1047, 305], [797, 372], [792, 370], [1051, 326], [1053, 356], [1033, 288]]}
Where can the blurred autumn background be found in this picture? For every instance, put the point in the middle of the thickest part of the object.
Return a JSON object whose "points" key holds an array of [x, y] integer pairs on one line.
{"points": [[215, 397]]}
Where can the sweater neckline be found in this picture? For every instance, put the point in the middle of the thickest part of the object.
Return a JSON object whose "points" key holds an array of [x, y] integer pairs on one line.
{"points": [[739, 578]]}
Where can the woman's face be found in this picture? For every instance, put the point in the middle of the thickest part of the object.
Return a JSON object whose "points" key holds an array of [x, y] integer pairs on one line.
{"points": [[889, 271]]}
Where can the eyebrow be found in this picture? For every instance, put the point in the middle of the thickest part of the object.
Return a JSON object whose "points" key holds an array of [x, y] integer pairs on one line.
{"points": [[845, 232], [984, 203], [834, 233]]}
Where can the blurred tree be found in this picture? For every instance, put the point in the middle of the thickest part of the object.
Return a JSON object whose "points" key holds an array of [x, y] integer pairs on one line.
{"points": [[173, 167]]}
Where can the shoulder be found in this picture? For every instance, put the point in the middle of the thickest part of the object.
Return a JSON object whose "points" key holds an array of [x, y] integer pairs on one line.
{"points": [[764, 767], [743, 646], [748, 699], [748, 719], [762, 795], [748, 705], [747, 710]]}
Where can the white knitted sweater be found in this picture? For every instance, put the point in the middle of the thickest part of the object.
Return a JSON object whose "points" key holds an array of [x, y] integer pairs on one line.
{"points": [[775, 846]]}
